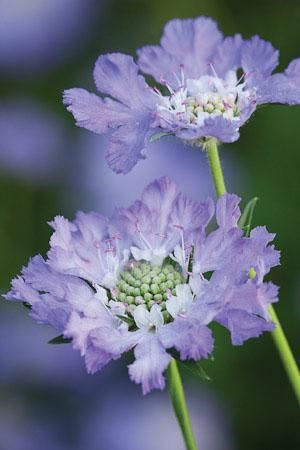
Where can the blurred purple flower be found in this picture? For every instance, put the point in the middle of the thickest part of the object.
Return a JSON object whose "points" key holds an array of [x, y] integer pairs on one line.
{"points": [[24, 428], [46, 364], [32, 141], [112, 286], [29, 420], [140, 423], [37, 34], [199, 94], [97, 188]]}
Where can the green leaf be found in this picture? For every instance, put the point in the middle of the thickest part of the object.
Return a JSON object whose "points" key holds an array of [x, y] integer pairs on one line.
{"points": [[192, 366], [157, 136], [126, 319], [169, 261], [247, 216], [191, 259], [195, 368], [27, 305], [60, 340]]}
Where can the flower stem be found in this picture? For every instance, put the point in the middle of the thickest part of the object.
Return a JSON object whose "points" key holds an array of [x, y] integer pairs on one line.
{"points": [[215, 166], [179, 405], [278, 335], [286, 354]]}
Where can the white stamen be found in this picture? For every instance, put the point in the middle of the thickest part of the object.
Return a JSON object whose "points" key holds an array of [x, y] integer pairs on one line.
{"points": [[195, 100]]}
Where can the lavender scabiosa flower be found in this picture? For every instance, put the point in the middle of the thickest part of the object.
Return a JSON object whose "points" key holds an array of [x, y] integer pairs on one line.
{"points": [[44, 365], [211, 420], [199, 93], [101, 190], [36, 152], [25, 425], [37, 35], [151, 279]]}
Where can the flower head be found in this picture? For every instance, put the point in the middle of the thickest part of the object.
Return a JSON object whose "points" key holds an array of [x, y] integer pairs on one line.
{"points": [[199, 93], [35, 38], [36, 152], [151, 279]]}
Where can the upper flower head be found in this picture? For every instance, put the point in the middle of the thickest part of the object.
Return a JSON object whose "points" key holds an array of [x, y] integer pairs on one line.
{"points": [[151, 279], [199, 93]]}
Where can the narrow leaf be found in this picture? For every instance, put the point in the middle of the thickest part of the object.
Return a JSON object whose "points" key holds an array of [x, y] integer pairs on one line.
{"points": [[60, 340], [157, 136], [247, 216], [27, 305], [191, 260], [126, 319], [195, 368]]}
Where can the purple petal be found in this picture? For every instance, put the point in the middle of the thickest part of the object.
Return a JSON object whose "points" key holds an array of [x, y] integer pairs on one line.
{"points": [[151, 361], [258, 60], [79, 329], [263, 255], [47, 292], [190, 338], [216, 250], [192, 215], [155, 61], [282, 87], [245, 312], [268, 293], [189, 44], [239, 254], [243, 326], [127, 145], [293, 70], [159, 198], [228, 55], [99, 339], [117, 75], [262, 236], [114, 338], [249, 299], [93, 113], [228, 211], [222, 129], [134, 220], [79, 248], [96, 359], [150, 217], [193, 42]]}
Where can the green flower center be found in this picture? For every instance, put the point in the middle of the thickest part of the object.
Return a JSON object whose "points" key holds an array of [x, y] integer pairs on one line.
{"points": [[145, 284]]}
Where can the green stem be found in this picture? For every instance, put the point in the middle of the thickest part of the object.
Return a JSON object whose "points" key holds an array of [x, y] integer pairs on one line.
{"points": [[215, 166], [278, 335], [179, 405], [286, 354]]}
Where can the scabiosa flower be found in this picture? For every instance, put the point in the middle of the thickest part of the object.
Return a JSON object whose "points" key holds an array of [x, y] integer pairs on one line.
{"points": [[99, 189], [199, 93], [37, 35], [36, 152], [151, 279], [210, 419]]}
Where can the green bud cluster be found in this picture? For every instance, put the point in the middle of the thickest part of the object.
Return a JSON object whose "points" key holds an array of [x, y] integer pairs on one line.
{"points": [[147, 284]]}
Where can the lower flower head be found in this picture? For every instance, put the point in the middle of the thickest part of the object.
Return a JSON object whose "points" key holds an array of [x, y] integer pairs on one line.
{"points": [[151, 279]]}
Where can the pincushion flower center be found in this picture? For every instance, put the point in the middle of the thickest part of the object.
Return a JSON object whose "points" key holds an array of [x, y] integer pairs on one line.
{"points": [[208, 96], [146, 284]]}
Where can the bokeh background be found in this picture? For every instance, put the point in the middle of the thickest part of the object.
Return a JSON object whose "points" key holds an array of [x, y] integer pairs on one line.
{"points": [[49, 167]]}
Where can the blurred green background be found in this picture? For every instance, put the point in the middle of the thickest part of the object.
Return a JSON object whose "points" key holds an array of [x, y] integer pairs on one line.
{"points": [[249, 381]]}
